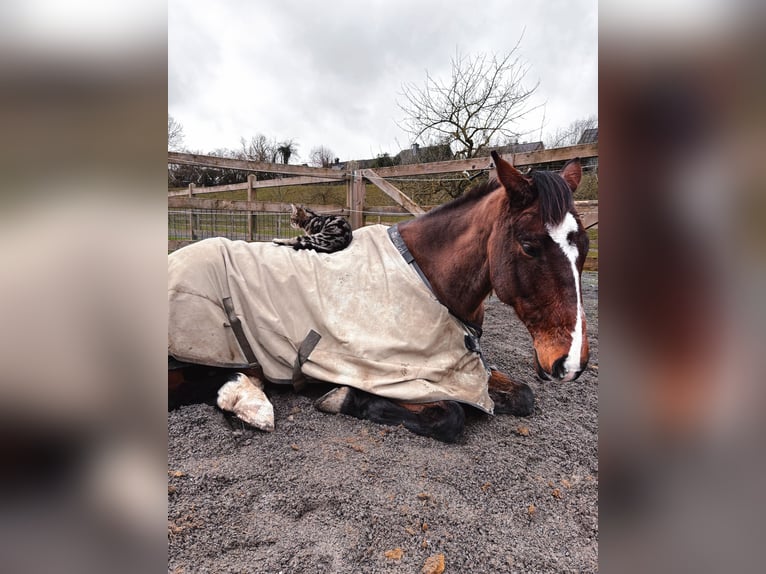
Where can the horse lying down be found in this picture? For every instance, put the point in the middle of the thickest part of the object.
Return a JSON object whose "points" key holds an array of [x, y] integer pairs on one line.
{"points": [[395, 318]]}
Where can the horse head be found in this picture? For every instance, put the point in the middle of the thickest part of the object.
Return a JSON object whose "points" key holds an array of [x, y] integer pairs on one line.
{"points": [[536, 256]]}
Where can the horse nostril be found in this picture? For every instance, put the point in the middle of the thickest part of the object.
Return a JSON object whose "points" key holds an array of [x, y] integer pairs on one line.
{"points": [[558, 370]]}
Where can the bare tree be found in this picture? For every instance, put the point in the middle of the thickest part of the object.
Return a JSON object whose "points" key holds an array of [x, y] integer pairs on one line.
{"points": [[287, 149], [259, 148], [223, 176], [182, 175], [321, 156], [175, 134], [480, 103], [571, 134]]}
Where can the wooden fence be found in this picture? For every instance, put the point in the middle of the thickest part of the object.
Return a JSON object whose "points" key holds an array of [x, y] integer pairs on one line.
{"points": [[247, 218]]}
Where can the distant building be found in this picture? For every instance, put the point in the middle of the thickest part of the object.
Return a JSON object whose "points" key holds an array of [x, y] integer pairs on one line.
{"points": [[359, 164], [425, 154], [589, 136], [513, 148]]}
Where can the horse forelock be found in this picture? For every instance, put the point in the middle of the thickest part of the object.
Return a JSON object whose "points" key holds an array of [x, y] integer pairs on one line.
{"points": [[553, 195]]}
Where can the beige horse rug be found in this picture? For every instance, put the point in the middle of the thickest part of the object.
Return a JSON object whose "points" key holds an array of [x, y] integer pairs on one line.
{"points": [[360, 317]]}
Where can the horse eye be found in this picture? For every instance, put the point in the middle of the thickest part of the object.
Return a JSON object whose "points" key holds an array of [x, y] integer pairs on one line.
{"points": [[530, 249]]}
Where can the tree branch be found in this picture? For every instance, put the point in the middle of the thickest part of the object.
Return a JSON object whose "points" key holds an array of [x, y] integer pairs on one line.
{"points": [[484, 97]]}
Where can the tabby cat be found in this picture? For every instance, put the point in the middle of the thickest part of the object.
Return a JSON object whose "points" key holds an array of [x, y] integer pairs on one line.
{"points": [[325, 233]]}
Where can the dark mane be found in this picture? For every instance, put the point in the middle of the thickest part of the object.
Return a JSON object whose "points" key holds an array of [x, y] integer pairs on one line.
{"points": [[473, 194], [554, 196]]}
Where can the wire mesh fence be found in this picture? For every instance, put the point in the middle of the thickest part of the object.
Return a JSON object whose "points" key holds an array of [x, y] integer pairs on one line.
{"points": [[195, 224]]}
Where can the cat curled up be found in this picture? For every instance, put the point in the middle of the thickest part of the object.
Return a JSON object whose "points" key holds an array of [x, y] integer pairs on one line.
{"points": [[324, 233]]}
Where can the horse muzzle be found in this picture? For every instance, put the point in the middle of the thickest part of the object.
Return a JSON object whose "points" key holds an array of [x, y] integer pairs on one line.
{"points": [[559, 371]]}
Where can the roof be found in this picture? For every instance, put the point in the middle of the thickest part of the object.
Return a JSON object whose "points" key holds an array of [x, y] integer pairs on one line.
{"points": [[425, 154], [356, 164], [589, 136], [513, 148]]}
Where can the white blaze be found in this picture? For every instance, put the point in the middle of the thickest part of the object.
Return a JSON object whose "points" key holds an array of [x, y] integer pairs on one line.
{"points": [[559, 233]]}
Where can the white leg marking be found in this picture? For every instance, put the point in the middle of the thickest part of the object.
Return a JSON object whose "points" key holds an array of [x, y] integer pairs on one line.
{"points": [[245, 398], [559, 234]]}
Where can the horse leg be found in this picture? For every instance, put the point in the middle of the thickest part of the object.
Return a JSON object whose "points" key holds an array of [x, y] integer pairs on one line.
{"points": [[443, 420], [510, 397], [190, 384], [243, 395]]}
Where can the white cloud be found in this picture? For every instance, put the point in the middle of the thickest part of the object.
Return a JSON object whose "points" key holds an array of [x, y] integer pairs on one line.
{"points": [[329, 73]]}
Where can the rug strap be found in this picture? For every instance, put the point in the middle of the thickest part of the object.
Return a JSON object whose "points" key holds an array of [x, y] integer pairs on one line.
{"points": [[307, 346], [239, 333], [396, 239]]}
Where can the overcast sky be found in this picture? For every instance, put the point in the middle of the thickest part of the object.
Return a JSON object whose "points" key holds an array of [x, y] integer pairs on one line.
{"points": [[330, 72]]}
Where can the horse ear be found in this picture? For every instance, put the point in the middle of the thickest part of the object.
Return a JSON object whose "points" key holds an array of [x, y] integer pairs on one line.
{"points": [[515, 184], [572, 173], [508, 175]]}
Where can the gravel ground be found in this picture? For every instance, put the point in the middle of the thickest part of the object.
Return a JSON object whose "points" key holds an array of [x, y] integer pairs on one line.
{"points": [[333, 494]]}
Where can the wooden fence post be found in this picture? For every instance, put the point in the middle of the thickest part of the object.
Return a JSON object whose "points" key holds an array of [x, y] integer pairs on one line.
{"points": [[393, 192], [251, 221], [191, 214], [355, 195], [350, 198], [360, 197]]}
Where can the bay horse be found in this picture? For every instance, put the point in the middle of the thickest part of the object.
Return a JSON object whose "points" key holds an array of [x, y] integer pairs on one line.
{"points": [[518, 236]]}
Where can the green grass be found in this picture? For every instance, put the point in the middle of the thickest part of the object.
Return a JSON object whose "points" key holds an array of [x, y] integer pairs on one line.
{"points": [[426, 191], [588, 188], [320, 194], [591, 262]]}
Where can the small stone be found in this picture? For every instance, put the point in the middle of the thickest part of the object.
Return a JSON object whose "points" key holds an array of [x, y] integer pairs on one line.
{"points": [[395, 554], [433, 564]]}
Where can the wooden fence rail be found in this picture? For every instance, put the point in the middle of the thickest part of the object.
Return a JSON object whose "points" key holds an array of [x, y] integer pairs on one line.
{"points": [[517, 159], [180, 158], [354, 179]]}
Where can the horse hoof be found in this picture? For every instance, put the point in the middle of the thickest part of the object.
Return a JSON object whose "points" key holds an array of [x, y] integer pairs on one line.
{"points": [[248, 401], [524, 405], [519, 402], [332, 402]]}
